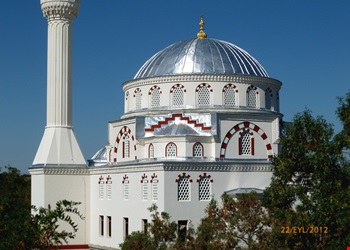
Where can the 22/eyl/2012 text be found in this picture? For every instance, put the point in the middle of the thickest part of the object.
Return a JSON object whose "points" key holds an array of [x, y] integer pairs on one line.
{"points": [[304, 230]]}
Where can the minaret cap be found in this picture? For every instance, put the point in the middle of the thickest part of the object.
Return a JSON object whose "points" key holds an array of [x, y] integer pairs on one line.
{"points": [[201, 34]]}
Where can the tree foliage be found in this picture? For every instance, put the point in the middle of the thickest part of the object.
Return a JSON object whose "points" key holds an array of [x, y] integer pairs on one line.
{"points": [[310, 186], [239, 222], [22, 229], [161, 233]]}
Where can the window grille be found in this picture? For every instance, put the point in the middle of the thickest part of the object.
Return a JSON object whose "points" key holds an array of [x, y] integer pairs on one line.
{"points": [[151, 151], [171, 150], [197, 150], [126, 148], [229, 96], [138, 99], [178, 96], [155, 98], [251, 97], [144, 190], [126, 190], [109, 191], [102, 190], [183, 188], [154, 189], [203, 96], [204, 189], [245, 143]]}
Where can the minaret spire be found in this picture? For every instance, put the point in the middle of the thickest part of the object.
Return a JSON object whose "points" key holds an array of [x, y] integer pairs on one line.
{"points": [[59, 146], [201, 33]]}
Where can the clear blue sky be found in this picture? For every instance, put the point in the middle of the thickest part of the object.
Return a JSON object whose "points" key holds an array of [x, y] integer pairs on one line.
{"points": [[303, 43]]}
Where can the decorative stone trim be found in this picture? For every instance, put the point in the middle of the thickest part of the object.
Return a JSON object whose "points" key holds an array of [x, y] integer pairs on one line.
{"points": [[221, 168], [201, 78], [64, 171], [60, 9]]}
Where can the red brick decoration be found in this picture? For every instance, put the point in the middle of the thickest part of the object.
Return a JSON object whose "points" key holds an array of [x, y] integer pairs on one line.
{"points": [[123, 132], [172, 118], [241, 126], [205, 175], [125, 179], [153, 88], [154, 177], [183, 175], [143, 178], [204, 85], [136, 91], [176, 86]]}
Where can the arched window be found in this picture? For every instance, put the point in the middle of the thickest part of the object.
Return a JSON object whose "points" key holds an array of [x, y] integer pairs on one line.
{"points": [[229, 95], [246, 143], [109, 187], [203, 95], [183, 187], [144, 187], [198, 150], [252, 96], [177, 92], [101, 184], [268, 96], [204, 187], [154, 183], [171, 150], [151, 151], [155, 96], [125, 183], [137, 95]]}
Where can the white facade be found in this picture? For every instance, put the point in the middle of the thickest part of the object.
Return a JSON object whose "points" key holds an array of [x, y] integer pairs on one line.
{"points": [[197, 122]]}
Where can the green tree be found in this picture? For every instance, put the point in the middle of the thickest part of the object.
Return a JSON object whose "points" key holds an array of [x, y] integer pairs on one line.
{"points": [[15, 206], [21, 229], [161, 233], [241, 222], [343, 113], [310, 187]]}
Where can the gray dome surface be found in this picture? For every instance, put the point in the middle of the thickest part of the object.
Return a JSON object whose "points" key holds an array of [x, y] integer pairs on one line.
{"points": [[201, 56]]}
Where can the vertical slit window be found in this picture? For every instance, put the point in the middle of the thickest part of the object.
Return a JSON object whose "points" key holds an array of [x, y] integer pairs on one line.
{"points": [[109, 226], [101, 225]]}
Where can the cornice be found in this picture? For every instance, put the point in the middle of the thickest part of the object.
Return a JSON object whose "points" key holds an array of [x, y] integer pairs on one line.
{"points": [[220, 167], [175, 166], [201, 78], [59, 171], [65, 9]]}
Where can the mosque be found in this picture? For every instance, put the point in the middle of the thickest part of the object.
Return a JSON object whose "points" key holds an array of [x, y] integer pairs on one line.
{"points": [[201, 118]]}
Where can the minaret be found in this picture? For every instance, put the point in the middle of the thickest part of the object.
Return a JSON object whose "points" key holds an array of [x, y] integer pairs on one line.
{"points": [[59, 147]]}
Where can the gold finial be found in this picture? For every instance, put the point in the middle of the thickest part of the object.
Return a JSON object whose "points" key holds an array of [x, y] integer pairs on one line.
{"points": [[201, 33]]}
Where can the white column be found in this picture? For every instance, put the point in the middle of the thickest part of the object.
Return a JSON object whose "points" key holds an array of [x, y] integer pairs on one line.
{"points": [[59, 146]]}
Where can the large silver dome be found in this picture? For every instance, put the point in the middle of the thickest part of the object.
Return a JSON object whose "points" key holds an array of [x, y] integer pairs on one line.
{"points": [[201, 56]]}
